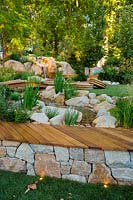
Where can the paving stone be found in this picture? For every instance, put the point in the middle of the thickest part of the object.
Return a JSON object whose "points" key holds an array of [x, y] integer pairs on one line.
{"points": [[94, 156], [11, 151], [10, 143], [81, 168], [65, 169], [62, 154], [123, 174], [41, 148], [76, 154], [117, 158], [74, 177], [30, 170], [25, 152]]}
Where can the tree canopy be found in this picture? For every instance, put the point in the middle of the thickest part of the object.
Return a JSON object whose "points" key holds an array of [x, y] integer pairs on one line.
{"points": [[81, 31]]}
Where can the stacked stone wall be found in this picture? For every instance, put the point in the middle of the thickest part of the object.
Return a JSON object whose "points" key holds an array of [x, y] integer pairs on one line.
{"points": [[83, 165]]}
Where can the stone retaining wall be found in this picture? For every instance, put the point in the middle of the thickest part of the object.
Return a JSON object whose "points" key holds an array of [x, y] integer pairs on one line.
{"points": [[83, 165]]}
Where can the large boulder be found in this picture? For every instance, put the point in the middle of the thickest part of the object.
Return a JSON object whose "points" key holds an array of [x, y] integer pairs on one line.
{"points": [[50, 67], [17, 66], [78, 101], [103, 104], [37, 69], [106, 121], [28, 66], [66, 69]]}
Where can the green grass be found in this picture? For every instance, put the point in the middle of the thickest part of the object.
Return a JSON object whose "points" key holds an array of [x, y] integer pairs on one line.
{"points": [[112, 90], [13, 186]]}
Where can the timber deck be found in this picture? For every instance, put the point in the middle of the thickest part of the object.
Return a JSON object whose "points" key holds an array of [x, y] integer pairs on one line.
{"points": [[78, 137]]}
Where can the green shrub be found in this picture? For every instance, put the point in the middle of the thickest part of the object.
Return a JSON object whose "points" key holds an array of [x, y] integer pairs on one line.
{"points": [[124, 112], [117, 74], [30, 96], [59, 82], [15, 56], [71, 117], [3, 108], [51, 112], [7, 74], [21, 116], [15, 96], [69, 90]]}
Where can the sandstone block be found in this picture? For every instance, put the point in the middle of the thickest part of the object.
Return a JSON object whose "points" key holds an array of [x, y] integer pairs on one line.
{"points": [[76, 154], [65, 169], [12, 164], [45, 164], [2, 151], [94, 156], [81, 168], [101, 174]]}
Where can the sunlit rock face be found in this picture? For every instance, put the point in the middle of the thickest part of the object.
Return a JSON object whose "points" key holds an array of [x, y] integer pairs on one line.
{"points": [[50, 67]]}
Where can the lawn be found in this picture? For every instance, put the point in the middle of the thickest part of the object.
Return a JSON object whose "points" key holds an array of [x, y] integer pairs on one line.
{"points": [[113, 90], [13, 186]]}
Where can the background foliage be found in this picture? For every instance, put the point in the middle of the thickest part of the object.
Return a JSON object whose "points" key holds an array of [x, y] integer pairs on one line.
{"points": [[78, 31]]}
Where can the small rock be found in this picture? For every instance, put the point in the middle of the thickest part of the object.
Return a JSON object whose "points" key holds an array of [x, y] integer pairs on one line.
{"points": [[102, 111], [78, 101], [62, 154], [30, 170], [76, 154], [106, 121], [92, 95], [39, 117], [103, 104], [94, 156], [74, 177], [94, 101], [11, 151], [38, 148], [57, 120], [25, 152], [65, 169], [82, 93]]}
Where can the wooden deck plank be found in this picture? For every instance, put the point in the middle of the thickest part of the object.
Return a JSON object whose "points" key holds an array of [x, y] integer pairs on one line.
{"points": [[6, 132], [77, 137], [60, 138], [95, 138], [125, 142], [28, 137]]}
